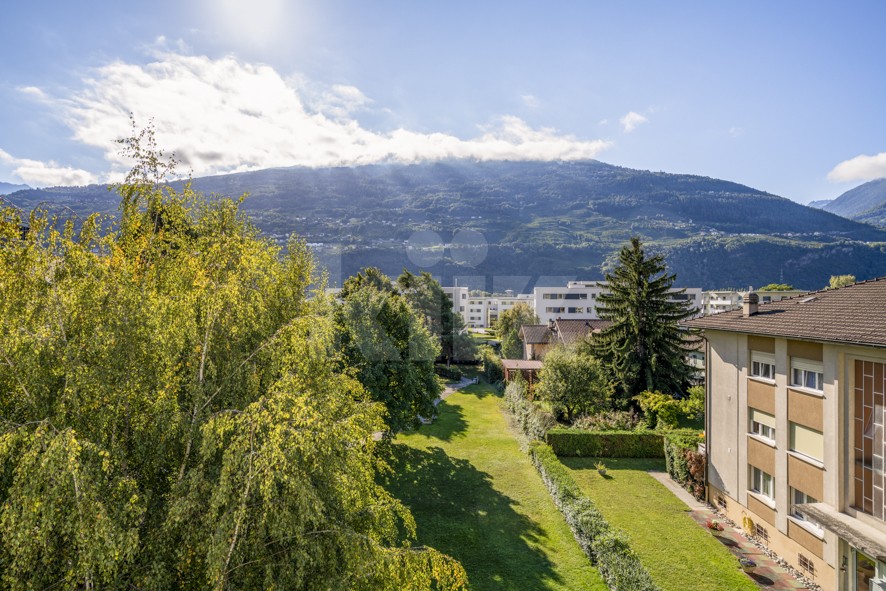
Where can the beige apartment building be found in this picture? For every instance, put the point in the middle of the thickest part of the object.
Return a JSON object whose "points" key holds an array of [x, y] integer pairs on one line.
{"points": [[795, 429]]}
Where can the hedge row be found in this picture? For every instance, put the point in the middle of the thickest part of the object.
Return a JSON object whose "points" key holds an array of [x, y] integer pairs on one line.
{"points": [[604, 545], [448, 373], [606, 444], [683, 461], [535, 422]]}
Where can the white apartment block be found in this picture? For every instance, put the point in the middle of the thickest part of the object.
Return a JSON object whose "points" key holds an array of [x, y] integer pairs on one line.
{"points": [[726, 300], [578, 300], [575, 301]]}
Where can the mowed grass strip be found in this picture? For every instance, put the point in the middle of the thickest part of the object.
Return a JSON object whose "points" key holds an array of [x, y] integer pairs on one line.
{"points": [[476, 496], [680, 555]]}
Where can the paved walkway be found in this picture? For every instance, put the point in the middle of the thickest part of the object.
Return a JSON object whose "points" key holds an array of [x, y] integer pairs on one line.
{"points": [[768, 575]]}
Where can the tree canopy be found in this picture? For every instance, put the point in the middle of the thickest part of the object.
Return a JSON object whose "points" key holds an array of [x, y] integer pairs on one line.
{"points": [[383, 339], [841, 281], [434, 307], [643, 348], [776, 287], [175, 414], [573, 382], [508, 329]]}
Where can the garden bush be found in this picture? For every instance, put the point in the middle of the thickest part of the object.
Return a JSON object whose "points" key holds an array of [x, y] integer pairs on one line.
{"points": [[606, 444], [493, 371], [450, 373], [607, 547], [684, 463], [534, 421], [613, 420]]}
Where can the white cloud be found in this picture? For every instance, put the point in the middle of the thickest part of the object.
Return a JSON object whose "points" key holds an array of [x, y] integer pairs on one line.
{"points": [[530, 100], [860, 168], [46, 174], [224, 115], [736, 131], [631, 121]]}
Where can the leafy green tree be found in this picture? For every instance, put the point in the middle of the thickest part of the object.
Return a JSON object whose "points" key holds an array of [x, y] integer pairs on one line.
{"points": [[392, 351], [841, 281], [777, 287], [434, 307], [174, 413], [643, 348], [492, 368], [508, 329], [573, 383]]}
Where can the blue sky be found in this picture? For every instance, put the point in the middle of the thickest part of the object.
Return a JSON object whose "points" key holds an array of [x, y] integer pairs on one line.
{"points": [[786, 96]]}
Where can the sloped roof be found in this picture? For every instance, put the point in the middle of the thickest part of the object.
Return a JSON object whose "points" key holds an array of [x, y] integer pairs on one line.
{"points": [[521, 364], [536, 334], [855, 314], [573, 331]]}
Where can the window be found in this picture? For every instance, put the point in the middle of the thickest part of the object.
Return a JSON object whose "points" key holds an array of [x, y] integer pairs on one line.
{"points": [[575, 310], [762, 483], [806, 564], [798, 497], [762, 424], [761, 533], [551, 310], [763, 365], [806, 374], [576, 296], [552, 296], [806, 441]]}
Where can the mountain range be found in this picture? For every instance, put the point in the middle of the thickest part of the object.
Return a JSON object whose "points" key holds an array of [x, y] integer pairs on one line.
{"points": [[865, 203], [7, 188], [510, 225]]}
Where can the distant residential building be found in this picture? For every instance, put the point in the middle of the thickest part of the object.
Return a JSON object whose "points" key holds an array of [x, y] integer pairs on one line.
{"points": [[575, 301], [538, 338], [726, 300], [578, 300], [796, 428]]}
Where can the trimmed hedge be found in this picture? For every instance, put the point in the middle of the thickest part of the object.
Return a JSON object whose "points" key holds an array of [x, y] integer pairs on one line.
{"points": [[606, 444], [533, 421], [448, 373], [683, 462], [607, 547]]}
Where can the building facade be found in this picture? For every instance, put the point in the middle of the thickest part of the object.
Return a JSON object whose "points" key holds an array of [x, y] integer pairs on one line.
{"points": [[725, 300], [795, 429]]}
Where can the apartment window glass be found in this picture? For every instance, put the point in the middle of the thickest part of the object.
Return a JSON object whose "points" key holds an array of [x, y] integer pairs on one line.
{"points": [[554, 310], [575, 310], [552, 296], [806, 374], [798, 497], [762, 365], [576, 296], [762, 483], [806, 441], [762, 424]]}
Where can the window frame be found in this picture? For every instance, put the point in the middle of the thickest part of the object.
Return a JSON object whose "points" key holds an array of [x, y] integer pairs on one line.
{"points": [[760, 359], [758, 488], [761, 434], [807, 367]]}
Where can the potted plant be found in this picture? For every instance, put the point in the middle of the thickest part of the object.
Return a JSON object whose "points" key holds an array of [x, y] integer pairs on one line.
{"points": [[747, 565], [601, 468], [714, 526]]}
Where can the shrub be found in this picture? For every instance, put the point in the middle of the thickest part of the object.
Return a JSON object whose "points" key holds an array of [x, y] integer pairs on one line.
{"points": [[663, 411], [450, 373], [606, 444], [493, 371], [605, 546], [532, 420], [613, 420], [685, 464]]}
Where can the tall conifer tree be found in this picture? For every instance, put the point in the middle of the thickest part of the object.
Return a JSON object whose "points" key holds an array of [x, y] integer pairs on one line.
{"points": [[643, 349]]}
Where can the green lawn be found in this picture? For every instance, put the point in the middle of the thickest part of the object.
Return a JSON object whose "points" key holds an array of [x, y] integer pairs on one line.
{"points": [[476, 496], [680, 555]]}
